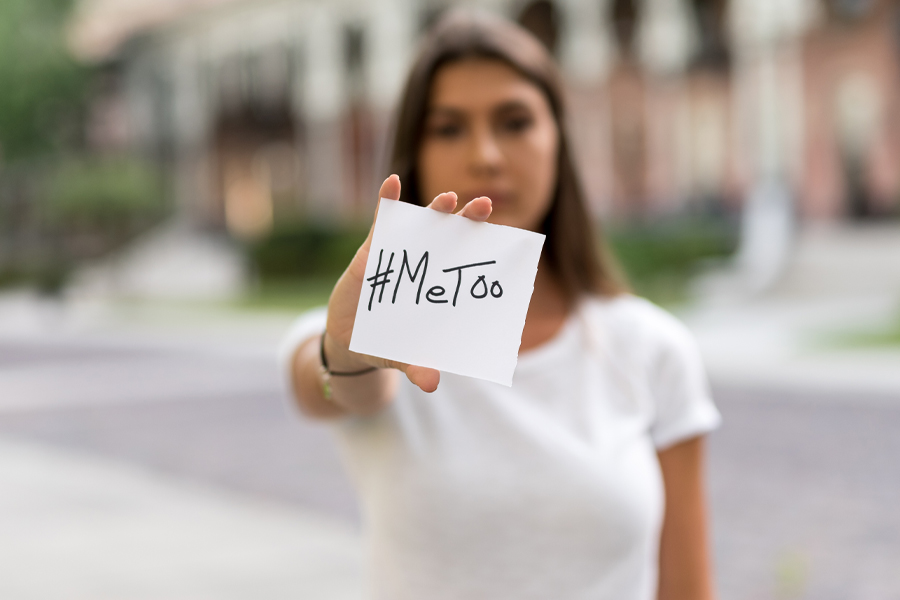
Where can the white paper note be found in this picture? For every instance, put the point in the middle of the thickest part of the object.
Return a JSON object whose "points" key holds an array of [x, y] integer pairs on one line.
{"points": [[446, 292]]}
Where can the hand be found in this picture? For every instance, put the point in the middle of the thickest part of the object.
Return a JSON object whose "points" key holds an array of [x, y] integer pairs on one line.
{"points": [[345, 297]]}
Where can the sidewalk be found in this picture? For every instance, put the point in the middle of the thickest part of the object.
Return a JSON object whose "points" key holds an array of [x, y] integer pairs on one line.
{"points": [[79, 527], [790, 344], [840, 278], [87, 525], [109, 525]]}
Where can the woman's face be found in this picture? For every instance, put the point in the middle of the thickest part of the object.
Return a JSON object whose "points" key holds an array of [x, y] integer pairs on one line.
{"points": [[490, 132]]}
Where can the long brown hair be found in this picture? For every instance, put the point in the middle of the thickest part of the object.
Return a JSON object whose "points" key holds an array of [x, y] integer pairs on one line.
{"points": [[578, 259]]}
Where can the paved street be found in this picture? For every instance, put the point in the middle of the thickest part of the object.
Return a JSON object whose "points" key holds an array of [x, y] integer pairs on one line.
{"points": [[148, 470]]}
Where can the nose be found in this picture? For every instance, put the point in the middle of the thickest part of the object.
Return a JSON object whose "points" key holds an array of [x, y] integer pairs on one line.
{"points": [[485, 155]]}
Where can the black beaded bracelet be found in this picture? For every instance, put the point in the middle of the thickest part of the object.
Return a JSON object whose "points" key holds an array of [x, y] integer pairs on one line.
{"points": [[327, 373]]}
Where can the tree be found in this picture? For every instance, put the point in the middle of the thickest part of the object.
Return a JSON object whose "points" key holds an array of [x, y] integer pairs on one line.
{"points": [[41, 86]]}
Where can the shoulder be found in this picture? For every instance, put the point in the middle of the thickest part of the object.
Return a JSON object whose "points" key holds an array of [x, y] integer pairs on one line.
{"points": [[660, 353]]}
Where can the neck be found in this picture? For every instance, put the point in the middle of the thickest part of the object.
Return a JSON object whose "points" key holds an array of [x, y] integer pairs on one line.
{"points": [[547, 311]]}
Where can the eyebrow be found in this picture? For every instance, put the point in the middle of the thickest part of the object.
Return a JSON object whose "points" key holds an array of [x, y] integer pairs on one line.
{"points": [[451, 111], [443, 111]]}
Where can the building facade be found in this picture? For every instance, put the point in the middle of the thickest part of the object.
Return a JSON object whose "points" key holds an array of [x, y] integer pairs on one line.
{"points": [[270, 109]]}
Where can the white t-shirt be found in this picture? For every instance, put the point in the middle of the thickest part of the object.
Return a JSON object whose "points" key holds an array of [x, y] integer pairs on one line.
{"points": [[548, 489]]}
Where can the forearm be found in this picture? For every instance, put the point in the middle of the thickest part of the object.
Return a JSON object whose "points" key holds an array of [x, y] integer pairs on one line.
{"points": [[685, 564], [360, 394]]}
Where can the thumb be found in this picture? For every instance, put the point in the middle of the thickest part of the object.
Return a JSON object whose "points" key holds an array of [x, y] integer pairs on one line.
{"points": [[390, 189], [425, 378]]}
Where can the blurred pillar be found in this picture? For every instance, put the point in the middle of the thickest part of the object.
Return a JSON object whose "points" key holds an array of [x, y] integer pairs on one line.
{"points": [[768, 78], [323, 99], [668, 38], [190, 123], [587, 50], [388, 49], [858, 116], [587, 53]]}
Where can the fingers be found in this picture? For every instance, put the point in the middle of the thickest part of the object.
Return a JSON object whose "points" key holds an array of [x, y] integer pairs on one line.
{"points": [[478, 209], [445, 203]]}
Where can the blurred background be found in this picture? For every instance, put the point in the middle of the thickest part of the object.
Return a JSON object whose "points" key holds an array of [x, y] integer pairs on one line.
{"points": [[180, 178]]}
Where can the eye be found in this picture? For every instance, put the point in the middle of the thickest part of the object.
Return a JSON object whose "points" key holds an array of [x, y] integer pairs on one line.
{"points": [[516, 123], [444, 129]]}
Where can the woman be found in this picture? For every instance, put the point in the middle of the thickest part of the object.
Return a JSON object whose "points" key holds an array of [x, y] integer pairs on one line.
{"points": [[583, 480]]}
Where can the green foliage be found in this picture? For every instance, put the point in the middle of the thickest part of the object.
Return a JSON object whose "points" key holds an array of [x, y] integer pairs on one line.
{"points": [[305, 250], [661, 258], [41, 85], [103, 192], [304, 259], [886, 336], [48, 278]]}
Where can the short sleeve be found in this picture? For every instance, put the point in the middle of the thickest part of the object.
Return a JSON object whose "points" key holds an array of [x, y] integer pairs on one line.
{"points": [[308, 325], [683, 403]]}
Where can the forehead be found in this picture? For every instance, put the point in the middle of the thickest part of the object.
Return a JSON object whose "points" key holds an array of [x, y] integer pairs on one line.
{"points": [[481, 83]]}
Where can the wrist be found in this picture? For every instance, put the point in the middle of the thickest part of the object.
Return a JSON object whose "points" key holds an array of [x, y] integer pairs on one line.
{"points": [[339, 358]]}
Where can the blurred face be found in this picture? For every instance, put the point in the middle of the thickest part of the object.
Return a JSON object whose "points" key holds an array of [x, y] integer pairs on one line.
{"points": [[490, 132]]}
